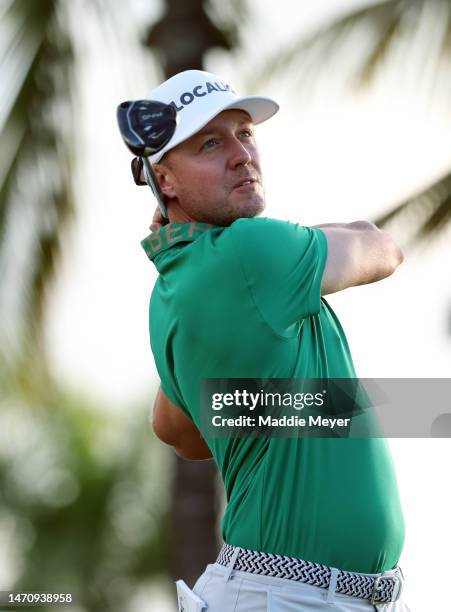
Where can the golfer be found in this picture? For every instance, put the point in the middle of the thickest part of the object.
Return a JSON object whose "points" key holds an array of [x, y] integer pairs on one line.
{"points": [[311, 524]]}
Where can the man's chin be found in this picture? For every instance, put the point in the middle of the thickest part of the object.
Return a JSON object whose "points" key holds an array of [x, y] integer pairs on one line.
{"points": [[251, 208], [241, 210], [244, 202]]}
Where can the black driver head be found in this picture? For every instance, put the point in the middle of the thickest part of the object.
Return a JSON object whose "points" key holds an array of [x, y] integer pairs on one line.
{"points": [[146, 125]]}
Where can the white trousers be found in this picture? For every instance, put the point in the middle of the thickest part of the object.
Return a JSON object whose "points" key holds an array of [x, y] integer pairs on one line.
{"points": [[226, 590]]}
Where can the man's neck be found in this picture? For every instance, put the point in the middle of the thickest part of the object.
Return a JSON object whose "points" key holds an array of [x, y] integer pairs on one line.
{"points": [[178, 215]]}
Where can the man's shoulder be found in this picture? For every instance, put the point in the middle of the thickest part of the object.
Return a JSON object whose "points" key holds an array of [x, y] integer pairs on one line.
{"points": [[266, 232], [259, 228], [259, 223]]}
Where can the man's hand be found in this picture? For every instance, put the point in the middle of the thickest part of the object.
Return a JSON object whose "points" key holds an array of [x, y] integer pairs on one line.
{"points": [[173, 427], [158, 221]]}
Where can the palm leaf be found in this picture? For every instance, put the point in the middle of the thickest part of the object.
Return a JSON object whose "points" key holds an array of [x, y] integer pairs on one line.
{"points": [[360, 43], [35, 194], [422, 216], [362, 40]]}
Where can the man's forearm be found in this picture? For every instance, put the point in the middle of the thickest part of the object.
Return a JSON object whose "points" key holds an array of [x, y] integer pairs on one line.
{"points": [[174, 428], [193, 447]]}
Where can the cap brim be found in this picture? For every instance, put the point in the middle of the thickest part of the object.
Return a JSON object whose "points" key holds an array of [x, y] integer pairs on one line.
{"points": [[259, 108]]}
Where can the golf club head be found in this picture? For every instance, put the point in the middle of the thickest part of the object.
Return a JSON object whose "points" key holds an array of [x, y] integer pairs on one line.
{"points": [[146, 126]]}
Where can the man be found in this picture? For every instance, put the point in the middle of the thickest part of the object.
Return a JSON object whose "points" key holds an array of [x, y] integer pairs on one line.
{"points": [[310, 522]]}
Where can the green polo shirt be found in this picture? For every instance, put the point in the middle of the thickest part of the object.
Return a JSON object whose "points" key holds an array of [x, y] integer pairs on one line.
{"points": [[244, 302]]}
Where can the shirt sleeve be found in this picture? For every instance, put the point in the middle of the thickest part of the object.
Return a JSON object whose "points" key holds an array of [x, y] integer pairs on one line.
{"points": [[283, 264]]}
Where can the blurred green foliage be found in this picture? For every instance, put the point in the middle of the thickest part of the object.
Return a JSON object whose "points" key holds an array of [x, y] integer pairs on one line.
{"points": [[83, 494]]}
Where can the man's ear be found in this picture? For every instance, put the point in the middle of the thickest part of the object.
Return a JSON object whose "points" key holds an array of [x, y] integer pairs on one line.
{"points": [[165, 181]]}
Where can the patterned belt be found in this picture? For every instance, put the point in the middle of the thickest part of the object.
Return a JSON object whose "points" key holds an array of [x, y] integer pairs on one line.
{"points": [[378, 589]]}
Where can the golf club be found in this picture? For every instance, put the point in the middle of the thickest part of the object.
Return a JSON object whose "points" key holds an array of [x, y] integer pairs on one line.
{"points": [[146, 127]]}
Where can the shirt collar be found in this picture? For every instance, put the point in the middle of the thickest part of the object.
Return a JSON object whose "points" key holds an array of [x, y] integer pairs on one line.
{"points": [[171, 234]]}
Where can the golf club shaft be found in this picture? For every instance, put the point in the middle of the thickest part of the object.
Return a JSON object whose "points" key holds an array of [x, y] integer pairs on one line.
{"points": [[152, 180]]}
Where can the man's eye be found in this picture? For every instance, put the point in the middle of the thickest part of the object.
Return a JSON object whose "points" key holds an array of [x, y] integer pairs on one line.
{"points": [[247, 133], [211, 142]]}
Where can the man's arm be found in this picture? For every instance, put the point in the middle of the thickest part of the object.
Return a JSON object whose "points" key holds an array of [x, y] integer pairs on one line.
{"points": [[173, 427], [358, 253]]}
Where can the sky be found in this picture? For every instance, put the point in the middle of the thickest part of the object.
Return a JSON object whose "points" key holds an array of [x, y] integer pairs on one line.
{"points": [[333, 158]]}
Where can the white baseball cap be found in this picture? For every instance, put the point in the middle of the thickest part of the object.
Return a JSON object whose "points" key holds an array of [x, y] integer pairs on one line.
{"points": [[198, 97]]}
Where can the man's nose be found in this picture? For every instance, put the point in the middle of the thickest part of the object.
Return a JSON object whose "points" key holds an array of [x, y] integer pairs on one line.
{"points": [[239, 154]]}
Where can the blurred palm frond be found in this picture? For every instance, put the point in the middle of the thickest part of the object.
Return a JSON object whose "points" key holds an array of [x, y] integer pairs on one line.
{"points": [[412, 38], [365, 37], [424, 215], [36, 127]]}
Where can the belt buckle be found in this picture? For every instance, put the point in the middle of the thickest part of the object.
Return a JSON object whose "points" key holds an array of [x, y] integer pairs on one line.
{"points": [[397, 590], [375, 590], [399, 585]]}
